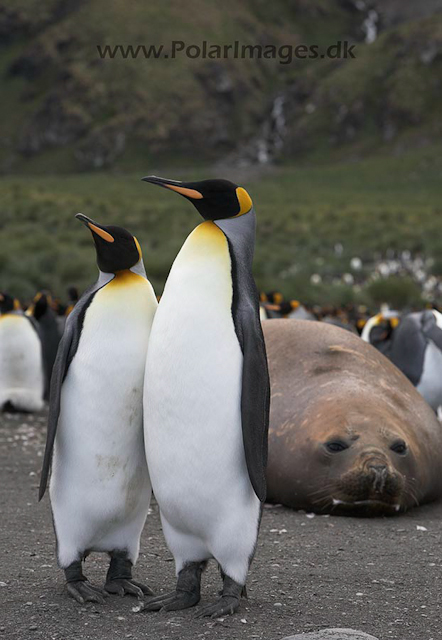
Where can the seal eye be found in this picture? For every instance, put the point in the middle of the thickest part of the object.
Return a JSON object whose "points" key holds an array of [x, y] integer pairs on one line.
{"points": [[399, 447], [336, 446]]}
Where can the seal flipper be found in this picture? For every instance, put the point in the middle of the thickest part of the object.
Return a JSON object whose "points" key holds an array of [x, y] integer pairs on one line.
{"points": [[255, 396], [66, 351]]}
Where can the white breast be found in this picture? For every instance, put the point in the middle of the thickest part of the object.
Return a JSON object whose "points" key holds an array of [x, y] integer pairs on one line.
{"points": [[99, 465], [193, 389]]}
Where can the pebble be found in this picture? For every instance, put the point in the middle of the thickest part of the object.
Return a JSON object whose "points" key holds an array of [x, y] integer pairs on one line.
{"points": [[333, 634]]}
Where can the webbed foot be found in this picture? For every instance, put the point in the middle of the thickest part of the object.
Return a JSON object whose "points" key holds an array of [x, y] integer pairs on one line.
{"points": [[187, 592], [227, 604], [79, 588], [119, 577]]}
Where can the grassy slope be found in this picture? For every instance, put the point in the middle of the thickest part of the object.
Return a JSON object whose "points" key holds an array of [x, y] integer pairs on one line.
{"points": [[369, 207]]}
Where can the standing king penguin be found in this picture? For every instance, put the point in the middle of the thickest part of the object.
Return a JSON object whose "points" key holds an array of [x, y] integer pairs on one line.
{"points": [[207, 394], [100, 489]]}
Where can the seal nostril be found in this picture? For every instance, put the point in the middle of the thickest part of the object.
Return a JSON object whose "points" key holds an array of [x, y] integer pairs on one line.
{"points": [[379, 473], [379, 468]]}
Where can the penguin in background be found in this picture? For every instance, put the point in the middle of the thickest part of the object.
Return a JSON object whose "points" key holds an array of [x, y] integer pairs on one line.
{"points": [[100, 489], [73, 298], [380, 329], [207, 392], [21, 363], [417, 351], [41, 310]]}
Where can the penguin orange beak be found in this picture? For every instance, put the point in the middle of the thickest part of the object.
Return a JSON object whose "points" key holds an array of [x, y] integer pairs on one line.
{"points": [[95, 228], [175, 185]]}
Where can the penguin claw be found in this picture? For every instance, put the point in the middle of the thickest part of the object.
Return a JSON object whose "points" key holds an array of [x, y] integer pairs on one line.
{"points": [[123, 586], [225, 606], [82, 591], [174, 601]]}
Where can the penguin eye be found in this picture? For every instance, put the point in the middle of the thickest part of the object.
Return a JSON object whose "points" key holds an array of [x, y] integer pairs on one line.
{"points": [[399, 447], [336, 446]]}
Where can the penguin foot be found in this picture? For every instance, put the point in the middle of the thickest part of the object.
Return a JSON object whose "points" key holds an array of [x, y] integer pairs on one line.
{"points": [[123, 586], [225, 606], [187, 592], [174, 601], [83, 591], [119, 577], [78, 586], [228, 603]]}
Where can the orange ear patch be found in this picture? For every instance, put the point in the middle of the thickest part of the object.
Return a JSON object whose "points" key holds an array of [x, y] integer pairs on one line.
{"points": [[137, 244], [245, 201], [101, 232], [190, 193]]}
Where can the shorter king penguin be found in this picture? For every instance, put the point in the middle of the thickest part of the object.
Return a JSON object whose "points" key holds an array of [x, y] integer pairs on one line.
{"points": [[100, 489], [21, 363], [207, 394]]}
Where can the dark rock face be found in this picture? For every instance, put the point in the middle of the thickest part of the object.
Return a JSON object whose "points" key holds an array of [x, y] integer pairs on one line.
{"points": [[58, 122], [252, 111]]}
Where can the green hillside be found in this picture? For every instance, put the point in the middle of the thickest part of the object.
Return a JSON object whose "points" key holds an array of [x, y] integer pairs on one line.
{"points": [[370, 208]]}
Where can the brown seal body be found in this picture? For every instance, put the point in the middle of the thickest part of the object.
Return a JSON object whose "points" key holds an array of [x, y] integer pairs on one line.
{"points": [[349, 434]]}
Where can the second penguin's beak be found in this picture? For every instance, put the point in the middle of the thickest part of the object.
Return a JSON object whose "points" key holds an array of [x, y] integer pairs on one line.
{"points": [[95, 228], [175, 185]]}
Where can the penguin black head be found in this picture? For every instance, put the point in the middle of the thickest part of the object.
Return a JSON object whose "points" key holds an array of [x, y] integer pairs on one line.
{"points": [[117, 249], [7, 303], [214, 199], [41, 303]]}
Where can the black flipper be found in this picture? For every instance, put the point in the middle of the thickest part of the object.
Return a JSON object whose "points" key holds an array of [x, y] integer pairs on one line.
{"points": [[255, 398], [66, 351]]}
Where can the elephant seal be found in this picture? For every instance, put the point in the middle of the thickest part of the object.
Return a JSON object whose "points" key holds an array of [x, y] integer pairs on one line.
{"points": [[349, 434]]}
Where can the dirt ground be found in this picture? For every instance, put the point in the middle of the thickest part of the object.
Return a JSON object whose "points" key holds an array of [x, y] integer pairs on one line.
{"points": [[381, 576]]}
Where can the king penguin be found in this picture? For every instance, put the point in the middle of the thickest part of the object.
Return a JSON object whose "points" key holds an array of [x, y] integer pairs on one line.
{"points": [[207, 393], [21, 361], [417, 351], [41, 310], [100, 489]]}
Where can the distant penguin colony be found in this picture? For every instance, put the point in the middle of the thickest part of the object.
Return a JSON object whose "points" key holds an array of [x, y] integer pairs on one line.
{"points": [[100, 489], [21, 360]]}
